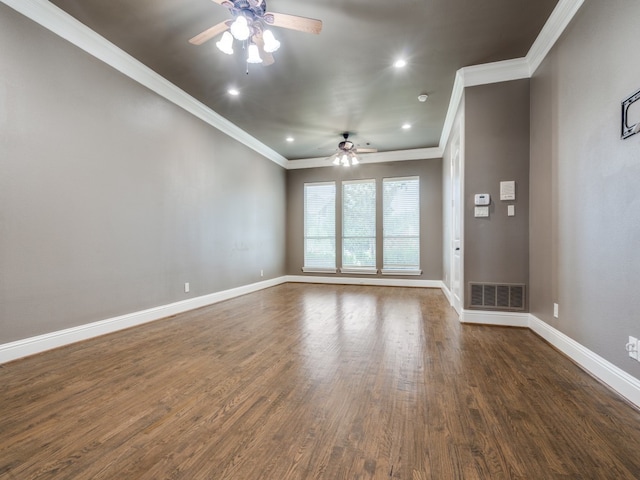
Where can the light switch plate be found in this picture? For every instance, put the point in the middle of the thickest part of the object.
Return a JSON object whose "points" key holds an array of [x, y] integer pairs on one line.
{"points": [[481, 212]]}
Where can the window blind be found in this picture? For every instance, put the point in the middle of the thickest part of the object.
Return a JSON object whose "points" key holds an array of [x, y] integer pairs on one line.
{"points": [[320, 226], [359, 226], [401, 225]]}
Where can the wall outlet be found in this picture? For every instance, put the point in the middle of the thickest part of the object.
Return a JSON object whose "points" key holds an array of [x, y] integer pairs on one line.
{"points": [[186, 287], [632, 347], [262, 273], [556, 309]]}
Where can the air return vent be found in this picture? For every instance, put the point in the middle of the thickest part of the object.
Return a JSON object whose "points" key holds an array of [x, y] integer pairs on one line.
{"points": [[494, 296]]}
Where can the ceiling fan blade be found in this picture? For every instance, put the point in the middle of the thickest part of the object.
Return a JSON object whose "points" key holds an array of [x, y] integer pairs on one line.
{"points": [[293, 22], [209, 33], [267, 58], [366, 150]]}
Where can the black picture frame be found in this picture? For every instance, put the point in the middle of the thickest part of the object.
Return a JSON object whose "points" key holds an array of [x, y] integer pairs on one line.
{"points": [[628, 130]]}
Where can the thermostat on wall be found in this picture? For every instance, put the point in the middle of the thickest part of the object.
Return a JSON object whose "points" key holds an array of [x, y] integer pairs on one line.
{"points": [[482, 199]]}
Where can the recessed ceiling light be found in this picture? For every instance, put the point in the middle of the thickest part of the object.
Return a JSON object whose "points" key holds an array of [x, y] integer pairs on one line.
{"points": [[423, 97], [406, 126], [400, 63], [233, 92], [290, 139]]}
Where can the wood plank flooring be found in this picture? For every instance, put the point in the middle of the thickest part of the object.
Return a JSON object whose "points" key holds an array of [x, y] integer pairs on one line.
{"points": [[313, 382]]}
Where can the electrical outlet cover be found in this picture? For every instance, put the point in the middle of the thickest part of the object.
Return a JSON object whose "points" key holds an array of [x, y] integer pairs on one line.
{"points": [[632, 348]]}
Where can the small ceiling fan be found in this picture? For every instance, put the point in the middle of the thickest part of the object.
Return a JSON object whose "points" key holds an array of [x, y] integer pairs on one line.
{"points": [[347, 152], [250, 24]]}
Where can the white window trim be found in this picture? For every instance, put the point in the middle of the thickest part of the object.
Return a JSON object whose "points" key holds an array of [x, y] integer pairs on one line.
{"points": [[359, 270], [319, 270], [396, 271]]}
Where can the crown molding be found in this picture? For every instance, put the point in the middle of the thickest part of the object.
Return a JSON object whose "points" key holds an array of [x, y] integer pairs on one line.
{"points": [[379, 157], [509, 70], [495, 72], [65, 26], [556, 24], [454, 102]]}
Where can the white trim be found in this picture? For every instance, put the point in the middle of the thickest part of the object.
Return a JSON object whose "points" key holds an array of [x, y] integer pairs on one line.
{"points": [[319, 270], [618, 380], [67, 27], [359, 270], [495, 72], [380, 282], [447, 293], [380, 157], [556, 24], [400, 271], [454, 102], [624, 384], [504, 319], [30, 346], [510, 69]]}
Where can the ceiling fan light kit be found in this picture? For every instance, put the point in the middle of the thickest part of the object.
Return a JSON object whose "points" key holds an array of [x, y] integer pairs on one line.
{"points": [[248, 25], [254, 55], [347, 154], [225, 44]]}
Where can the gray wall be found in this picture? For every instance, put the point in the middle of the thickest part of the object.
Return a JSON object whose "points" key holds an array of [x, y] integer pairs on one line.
{"points": [[585, 195], [430, 173], [111, 198], [496, 249]]}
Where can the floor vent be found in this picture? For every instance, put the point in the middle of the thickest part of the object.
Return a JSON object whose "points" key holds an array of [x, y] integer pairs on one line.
{"points": [[497, 296]]}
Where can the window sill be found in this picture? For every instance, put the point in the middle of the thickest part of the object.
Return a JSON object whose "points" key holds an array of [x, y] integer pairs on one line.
{"points": [[392, 271], [359, 271], [319, 270]]}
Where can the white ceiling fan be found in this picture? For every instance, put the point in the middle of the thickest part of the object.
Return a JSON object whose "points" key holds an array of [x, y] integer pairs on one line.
{"points": [[250, 24], [347, 153]]}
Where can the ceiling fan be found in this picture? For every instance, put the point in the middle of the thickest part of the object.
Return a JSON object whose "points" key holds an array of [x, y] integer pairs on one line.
{"points": [[249, 24], [347, 152]]}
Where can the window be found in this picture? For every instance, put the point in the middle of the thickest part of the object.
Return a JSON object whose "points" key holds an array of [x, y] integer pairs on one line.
{"points": [[320, 227], [359, 226], [401, 226]]}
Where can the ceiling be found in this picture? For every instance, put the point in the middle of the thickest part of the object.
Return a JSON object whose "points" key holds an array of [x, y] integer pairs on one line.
{"points": [[322, 85]]}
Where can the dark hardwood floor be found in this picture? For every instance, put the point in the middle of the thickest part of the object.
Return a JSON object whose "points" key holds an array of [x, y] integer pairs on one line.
{"points": [[313, 382]]}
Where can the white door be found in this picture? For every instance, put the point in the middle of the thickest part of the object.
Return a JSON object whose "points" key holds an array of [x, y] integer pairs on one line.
{"points": [[456, 225]]}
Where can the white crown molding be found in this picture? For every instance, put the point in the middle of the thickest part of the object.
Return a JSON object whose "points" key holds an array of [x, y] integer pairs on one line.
{"points": [[380, 157], [616, 378], [508, 70], [454, 102], [31, 346], [67, 27], [554, 27], [495, 72]]}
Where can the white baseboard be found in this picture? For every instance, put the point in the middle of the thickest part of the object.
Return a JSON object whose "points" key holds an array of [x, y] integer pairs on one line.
{"points": [[624, 384], [30, 346], [381, 282], [620, 381], [447, 293], [504, 319]]}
